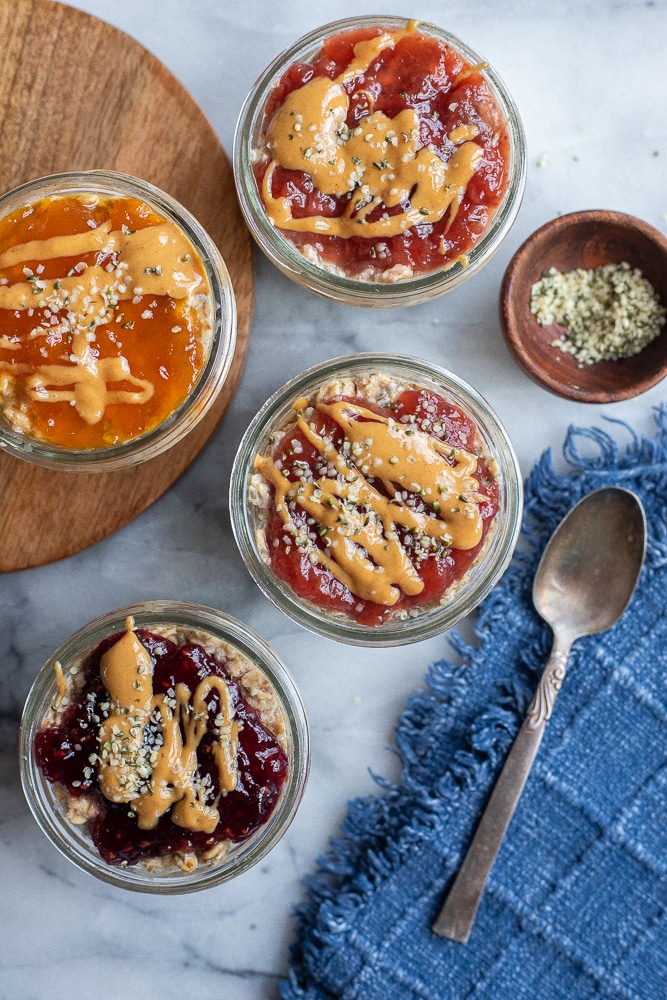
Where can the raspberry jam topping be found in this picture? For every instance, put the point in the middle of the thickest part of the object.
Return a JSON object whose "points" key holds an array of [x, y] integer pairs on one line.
{"points": [[375, 511], [89, 754]]}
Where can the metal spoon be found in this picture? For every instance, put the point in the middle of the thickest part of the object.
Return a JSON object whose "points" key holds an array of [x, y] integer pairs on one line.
{"points": [[583, 584]]}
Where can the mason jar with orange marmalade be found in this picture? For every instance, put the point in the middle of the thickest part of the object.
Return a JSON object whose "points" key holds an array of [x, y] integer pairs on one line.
{"points": [[118, 321]]}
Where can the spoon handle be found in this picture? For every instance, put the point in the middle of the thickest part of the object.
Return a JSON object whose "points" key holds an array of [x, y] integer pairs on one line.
{"points": [[457, 916]]}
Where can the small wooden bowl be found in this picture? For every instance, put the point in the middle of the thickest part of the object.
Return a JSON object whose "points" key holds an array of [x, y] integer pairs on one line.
{"points": [[583, 240]]}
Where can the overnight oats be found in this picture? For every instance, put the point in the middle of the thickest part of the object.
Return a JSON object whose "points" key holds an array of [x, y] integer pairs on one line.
{"points": [[376, 499], [379, 161], [117, 321], [164, 748]]}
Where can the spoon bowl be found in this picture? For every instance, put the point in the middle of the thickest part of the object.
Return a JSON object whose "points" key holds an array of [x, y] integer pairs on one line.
{"points": [[590, 567], [583, 584]]}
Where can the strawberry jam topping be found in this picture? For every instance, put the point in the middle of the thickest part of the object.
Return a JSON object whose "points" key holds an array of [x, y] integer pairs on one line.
{"points": [[437, 569], [450, 98], [64, 754]]}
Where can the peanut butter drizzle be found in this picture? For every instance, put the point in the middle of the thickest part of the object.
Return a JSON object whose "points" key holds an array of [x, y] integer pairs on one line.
{"points": [[169, 777], [60, 681], [159, 258], [358, 523], [377, 162], [67, 246], [89, 392], [155, 261]]}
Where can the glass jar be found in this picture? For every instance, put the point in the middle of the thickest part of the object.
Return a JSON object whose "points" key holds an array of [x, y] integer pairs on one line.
{"points": [[332, 282], [47, 800], [251, 498], [218, 334]]}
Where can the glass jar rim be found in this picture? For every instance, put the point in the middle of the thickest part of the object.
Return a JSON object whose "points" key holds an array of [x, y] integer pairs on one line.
{"points": [[346, 289], [491, 567], [223, 333], [76, 846]]}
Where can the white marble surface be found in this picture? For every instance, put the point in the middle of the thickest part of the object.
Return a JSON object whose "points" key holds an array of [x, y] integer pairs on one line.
{"points": [[590, 80]]}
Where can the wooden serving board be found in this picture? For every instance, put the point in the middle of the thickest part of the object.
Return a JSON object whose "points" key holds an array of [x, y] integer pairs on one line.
{"points": [[77, 94]]}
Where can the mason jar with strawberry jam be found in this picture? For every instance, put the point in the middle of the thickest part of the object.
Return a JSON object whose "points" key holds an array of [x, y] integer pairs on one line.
{"points": [[379, 161], [376, 499]]}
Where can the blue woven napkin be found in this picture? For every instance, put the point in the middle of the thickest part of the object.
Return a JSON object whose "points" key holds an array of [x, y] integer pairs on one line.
{"points": [[576, 905]]}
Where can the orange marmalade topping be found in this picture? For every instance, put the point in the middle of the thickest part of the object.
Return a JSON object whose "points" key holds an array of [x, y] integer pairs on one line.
{"points": [[104, 319]]}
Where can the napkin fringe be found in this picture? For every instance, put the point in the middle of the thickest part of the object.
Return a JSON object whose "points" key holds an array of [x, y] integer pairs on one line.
{"points": [[380, 830]]}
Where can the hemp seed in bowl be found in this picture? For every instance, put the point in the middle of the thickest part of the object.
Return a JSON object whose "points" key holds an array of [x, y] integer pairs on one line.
{"points": [[607, 312], [583, 306]]}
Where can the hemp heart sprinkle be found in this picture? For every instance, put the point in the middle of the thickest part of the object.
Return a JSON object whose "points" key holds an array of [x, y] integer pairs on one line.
{"points": [[608, 312]]}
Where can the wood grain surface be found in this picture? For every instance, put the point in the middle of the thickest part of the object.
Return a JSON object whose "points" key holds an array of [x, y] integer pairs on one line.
{"points": [[583, 240], [77, 94]]}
